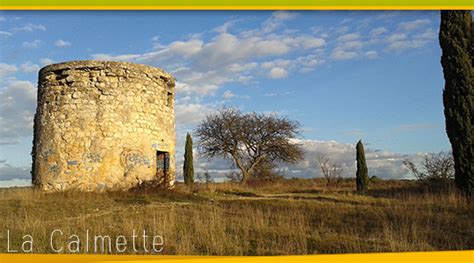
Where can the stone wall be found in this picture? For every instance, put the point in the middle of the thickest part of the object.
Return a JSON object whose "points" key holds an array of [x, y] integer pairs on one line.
{"points": [[103, 125]]}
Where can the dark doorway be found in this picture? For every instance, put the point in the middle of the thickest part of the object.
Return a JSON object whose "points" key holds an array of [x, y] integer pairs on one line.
{"points": [[162, 167]]}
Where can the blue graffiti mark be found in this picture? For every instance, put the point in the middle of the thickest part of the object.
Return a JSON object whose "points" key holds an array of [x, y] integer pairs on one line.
{"points": [[136, 159], [73, 162]]}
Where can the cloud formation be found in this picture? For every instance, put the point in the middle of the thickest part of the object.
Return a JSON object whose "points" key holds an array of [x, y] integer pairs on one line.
{"points": [[7, 70], [9, 172], [17, 106], [204, 63], [5, 34], [31, 44], [30, 27], [29, 67], [62, 43], [383, 164], [207, 61]]}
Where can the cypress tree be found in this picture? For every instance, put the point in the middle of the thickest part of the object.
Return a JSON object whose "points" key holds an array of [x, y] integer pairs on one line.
{"points": [[456, 41], [362, 174], [188, 167]]}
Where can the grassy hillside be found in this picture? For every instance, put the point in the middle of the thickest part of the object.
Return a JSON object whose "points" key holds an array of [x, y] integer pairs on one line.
{"points": [[283, 217]]}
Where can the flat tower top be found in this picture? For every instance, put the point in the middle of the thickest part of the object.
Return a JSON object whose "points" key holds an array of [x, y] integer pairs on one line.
{"points": [[98, 64]]}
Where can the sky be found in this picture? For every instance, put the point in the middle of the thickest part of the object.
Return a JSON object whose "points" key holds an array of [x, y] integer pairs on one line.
{"points": [[344, 75]]}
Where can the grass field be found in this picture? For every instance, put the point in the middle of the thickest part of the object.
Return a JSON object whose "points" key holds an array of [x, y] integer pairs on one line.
{"points": [[285, 217]]}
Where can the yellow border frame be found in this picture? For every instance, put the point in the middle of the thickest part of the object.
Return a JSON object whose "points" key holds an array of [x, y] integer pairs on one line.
{"points": [[236, 7], [405, 257], [466, 256]]}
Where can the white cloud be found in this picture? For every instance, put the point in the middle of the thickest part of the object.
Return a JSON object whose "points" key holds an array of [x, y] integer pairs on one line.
{"points": [[342, 29], [362, 41], [190, 114], [237, 67], [228, 95], [346, 46], [371, 54], [388, 15], [15, 183], [9, 172], [186, 48], [383, 164], [273, 94], [202, 67], [401, 45], [208, 60], [127, 57], [276, 20], [282, 63], [353, 44], [302, 64], [227, 49], [277, 73], [17, 106], [397, 37], [29, 67], [7, 70], [401, 41], [428, 34], [46, 61], [284, 15], [62, 43], [348, 37], [412, 25], [5, 34], [29, 28], [416, 41], [224, 28], [339, 54], [312, 42], [184, 88], [197, 63], [378, 31], [31, 44]]}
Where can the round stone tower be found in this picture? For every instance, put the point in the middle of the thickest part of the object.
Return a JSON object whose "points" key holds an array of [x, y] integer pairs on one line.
{"points": [[103, 125]]}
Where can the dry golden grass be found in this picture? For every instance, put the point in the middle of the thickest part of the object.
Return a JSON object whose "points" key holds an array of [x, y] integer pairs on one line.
{"points": [[282, 217]]}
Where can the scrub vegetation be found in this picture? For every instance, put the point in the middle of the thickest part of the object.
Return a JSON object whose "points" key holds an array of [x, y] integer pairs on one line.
{"points": [[279, 217]]}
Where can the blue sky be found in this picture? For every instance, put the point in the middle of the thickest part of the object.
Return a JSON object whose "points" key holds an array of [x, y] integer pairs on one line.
{"points": [[344, 75]]}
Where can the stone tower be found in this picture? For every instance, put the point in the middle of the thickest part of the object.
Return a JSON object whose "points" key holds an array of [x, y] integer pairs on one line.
{"points": [[103, 125]]}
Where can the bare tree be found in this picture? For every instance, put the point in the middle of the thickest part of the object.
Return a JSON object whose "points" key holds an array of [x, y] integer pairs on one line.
{"points": [[234, 176], [266, 171], [330, 170], [248, 139], [199, 177], [208, 177], [435, 167]]}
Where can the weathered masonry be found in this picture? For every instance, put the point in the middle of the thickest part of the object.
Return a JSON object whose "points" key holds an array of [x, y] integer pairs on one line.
{"points": [[103, 125]]}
